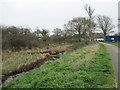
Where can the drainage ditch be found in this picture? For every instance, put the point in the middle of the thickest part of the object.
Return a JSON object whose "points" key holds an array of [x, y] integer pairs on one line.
{"points": [[51, 55]]}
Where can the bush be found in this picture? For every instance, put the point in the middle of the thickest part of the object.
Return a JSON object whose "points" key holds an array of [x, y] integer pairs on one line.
{"points": [[14, 38]]}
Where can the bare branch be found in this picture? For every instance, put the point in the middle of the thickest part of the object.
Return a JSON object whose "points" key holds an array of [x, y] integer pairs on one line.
{"points": [[105, 24]]}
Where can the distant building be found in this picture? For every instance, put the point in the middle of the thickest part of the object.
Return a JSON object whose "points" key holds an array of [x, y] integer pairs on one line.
{"points": [[112, 38]]}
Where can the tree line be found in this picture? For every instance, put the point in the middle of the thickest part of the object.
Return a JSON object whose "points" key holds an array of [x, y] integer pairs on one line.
{"points": [[76, 30]]}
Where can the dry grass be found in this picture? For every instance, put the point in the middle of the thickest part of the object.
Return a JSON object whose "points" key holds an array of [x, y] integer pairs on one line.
{"points": [[84, 54], [16, 60], [61, 47]]}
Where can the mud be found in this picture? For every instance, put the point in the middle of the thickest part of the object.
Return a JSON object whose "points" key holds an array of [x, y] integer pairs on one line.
{"points": [[52, 55]]}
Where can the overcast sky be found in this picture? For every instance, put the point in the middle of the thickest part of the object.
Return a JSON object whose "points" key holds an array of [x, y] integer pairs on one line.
{"points": [[52, 14]]}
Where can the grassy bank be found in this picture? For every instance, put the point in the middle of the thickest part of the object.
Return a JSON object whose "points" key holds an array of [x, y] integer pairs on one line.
{"points": [[88, 67], [114, 43]]}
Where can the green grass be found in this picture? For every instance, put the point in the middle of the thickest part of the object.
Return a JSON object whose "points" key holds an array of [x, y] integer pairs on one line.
{"points": [[114, 43], [73, 70]]}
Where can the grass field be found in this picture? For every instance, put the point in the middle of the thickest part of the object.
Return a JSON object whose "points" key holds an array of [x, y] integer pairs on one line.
{"points": [[18, 59], [114, 43], [88, 67], [14, 60]]}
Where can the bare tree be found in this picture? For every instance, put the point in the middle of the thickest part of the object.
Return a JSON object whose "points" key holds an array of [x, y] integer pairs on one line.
{"points": [[45, 35], [119, 25], [80, 27], [76, 25], [89, 11], [45, 32], [105, 24], [57, 31], [57, 35], [91, 27], [67, 30]]}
